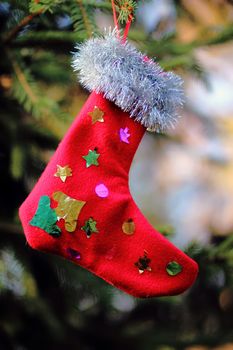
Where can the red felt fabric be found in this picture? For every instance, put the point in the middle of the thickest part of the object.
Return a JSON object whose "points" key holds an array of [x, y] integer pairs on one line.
{"points": [[110, 253]]}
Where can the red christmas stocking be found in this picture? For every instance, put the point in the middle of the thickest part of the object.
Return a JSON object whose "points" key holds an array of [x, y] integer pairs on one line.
{"points": [[81, 208]]}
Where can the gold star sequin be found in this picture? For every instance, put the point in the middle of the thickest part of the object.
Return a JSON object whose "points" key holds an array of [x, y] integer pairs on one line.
{"points": [[96, 115], [63, 172]]}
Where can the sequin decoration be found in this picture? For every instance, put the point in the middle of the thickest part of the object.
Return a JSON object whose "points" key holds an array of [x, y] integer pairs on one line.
{"points": [[73, 254], [128, 227], [96, 115], [124, 134], [90, 227], [143, 263], [68, 209], [46, 218], [91, 158], [173, 268], [63, 172], [102, 191]]}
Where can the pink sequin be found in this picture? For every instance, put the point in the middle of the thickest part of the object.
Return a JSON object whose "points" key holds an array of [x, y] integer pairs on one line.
{"points": [[102, 191], [124, 135], [73, 254]]}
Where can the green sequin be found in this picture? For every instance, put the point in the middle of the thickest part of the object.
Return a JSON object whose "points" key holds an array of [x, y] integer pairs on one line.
{"points": [[173, 268], [90, 227], [46, 218], [91, 158]]}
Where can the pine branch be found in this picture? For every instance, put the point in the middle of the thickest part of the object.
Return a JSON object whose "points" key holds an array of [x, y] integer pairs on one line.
{"points": [[24, 82], [54, 125], [82, 17], [43, 5], [37, 8], [178, 61], [126, 9], [55, 39], [166, 230], [167, 47], [157, 48], [98, 5], [86, 20], [49, 39], [187, 62], [28, 94], [223, 249], [25, 21]]}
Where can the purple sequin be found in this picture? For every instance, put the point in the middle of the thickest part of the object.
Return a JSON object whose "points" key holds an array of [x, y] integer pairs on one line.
{"points": [[73, 254], [124, 135]]}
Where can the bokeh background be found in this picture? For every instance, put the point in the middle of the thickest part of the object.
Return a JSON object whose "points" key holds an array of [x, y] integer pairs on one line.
{"points": [[182, 181]]}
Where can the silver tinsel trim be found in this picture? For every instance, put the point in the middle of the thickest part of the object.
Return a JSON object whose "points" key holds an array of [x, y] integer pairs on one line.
{"points": [[126, 77]]}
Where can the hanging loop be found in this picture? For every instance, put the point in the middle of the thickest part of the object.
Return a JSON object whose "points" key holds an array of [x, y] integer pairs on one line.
{"points": [[116, 23]]}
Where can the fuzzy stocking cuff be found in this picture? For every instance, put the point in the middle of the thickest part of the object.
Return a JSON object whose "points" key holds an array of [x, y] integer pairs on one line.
{"points": [[133, 82]]}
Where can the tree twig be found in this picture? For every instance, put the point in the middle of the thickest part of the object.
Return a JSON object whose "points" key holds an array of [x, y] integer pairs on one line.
{"points": [[23, 81], [25, 21], [85, 18]]}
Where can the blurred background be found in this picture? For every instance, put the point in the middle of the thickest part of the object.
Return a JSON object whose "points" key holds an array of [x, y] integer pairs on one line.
{"points": [[182, 181]]}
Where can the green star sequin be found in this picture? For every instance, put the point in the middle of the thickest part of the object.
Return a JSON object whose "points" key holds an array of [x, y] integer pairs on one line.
{"points": [[90, 227], [91, 158], [46, 218]]}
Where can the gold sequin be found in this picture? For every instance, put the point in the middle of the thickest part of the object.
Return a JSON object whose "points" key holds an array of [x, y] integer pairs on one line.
{"points": [[63, 172], [68, 209], [96, 115], [128, 227]]}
